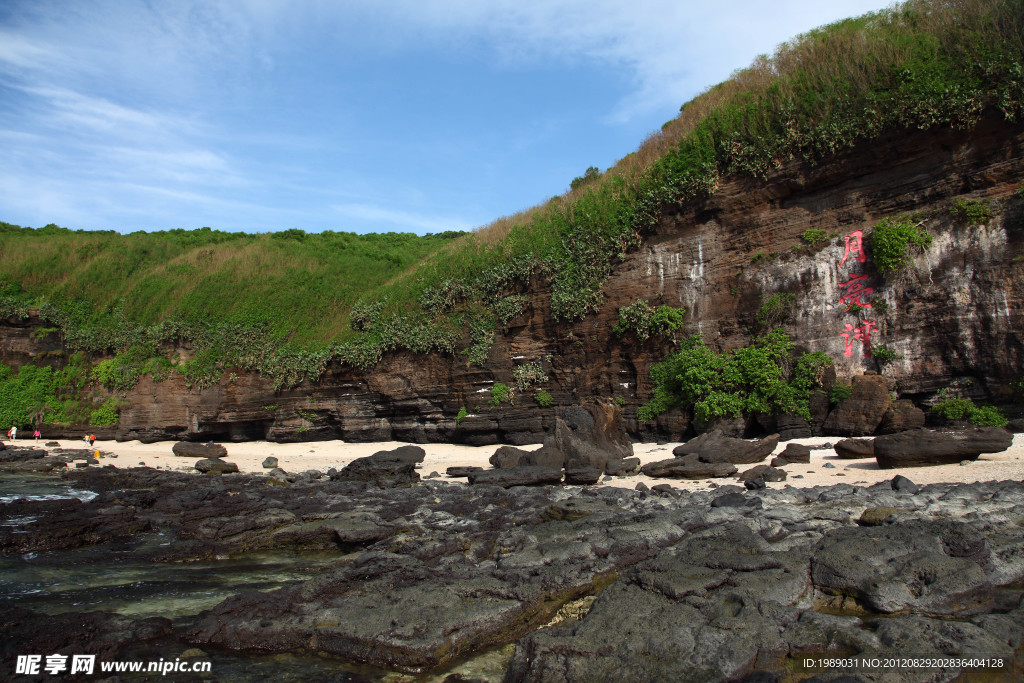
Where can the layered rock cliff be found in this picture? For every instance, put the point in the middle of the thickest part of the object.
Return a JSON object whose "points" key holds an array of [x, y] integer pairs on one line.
{"points": [[954, 317]]}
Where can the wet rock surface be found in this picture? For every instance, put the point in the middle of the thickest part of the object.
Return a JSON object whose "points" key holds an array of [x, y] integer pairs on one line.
{"points": [[716, 585]]}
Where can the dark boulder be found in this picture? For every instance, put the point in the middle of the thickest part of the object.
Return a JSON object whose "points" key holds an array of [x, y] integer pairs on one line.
{"points": [[794, 453], [763, 472], [270, 463], [820, 406], [462, 471], [385, 468], [861, 412], [688, 467], [853, 449], [901, 416], [903, 485], [188, 449], [582, 475], [517, 476], [509, 456], [714, 447], [216, 466], [924, 447], [622, 466], [755, 484], [792, 427], [588, 435]]}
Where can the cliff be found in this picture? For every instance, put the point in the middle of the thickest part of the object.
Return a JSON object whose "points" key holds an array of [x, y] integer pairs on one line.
{"points": [[954, 317]]}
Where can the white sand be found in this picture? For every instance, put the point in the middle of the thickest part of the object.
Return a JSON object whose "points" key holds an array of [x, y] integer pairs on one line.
{"points": [[322, 455]]}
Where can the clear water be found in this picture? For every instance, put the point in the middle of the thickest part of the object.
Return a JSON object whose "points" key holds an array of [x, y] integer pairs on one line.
{"points": [[117, 577]]}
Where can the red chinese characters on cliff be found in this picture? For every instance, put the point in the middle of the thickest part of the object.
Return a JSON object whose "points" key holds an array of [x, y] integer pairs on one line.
{"points": [[861, 333], [856, 293], [854, 247]]}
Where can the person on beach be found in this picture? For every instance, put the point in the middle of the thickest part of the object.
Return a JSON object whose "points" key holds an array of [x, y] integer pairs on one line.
{"points": [[92, 440], [36, 435], [13, 433]]}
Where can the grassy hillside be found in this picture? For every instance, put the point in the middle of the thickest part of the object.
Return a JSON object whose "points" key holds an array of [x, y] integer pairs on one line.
{"points": [[284, 304]]}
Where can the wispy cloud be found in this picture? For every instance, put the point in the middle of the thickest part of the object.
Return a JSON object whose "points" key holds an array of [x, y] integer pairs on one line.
{"points": [[396, 219]]}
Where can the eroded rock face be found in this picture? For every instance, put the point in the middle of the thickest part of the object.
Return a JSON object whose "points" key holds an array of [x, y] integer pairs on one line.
{"points": [[860, 413], [957, 311]]}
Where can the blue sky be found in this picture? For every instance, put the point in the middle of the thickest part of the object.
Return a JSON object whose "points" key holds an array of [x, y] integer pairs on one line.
{"points": [[365, 116]]}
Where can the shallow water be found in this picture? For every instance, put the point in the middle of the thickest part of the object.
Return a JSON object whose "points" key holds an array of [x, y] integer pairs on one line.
{"points": [[26, 486]]}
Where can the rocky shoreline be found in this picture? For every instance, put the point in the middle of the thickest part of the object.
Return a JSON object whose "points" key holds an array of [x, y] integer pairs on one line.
{"points": [[577, 583]]}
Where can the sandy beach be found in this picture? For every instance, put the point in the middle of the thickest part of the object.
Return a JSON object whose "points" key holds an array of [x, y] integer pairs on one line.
{"points": [[322, 455]]}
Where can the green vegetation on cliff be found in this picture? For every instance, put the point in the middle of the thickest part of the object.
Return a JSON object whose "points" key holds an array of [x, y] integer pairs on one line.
{"points": [[764, 377], [286, 304]]}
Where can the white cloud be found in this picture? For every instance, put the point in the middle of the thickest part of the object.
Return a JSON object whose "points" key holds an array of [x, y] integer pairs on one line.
{"points": [[397, 219]]}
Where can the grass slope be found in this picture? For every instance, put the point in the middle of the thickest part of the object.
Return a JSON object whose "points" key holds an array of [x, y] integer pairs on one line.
{"points": [[287, 303]]}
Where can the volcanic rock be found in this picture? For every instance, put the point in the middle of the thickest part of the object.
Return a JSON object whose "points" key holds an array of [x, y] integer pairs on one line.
{"points": [[923, 566], [216, 466], [189, 449], [269, 463], [462, 470], [763, 472], [853, 449], [714, 447], [533, 475], [901, 416], [588, 435], [794, 453], [385, 468], [861, 412], [688, 467], [923, 447], [582, 475], [621, 467]]}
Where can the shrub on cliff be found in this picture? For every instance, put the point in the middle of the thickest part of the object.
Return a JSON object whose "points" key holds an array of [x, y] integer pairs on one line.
{"points": [[645, 321], [957, 408], [762, 377], [892, 242]]}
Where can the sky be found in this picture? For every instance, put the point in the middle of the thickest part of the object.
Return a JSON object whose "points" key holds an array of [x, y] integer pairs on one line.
{"points": [[350, 115]]}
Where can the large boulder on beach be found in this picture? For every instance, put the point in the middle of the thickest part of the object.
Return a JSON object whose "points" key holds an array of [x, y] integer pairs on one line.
{"points": [[517, 476], [794, 453], [510, 456], [855, 449], [860, 413], [924, 447], [715, 447], [385, 469], [688, 466], [901, 416], [216, 466], [587, 435], [189, 449]]}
